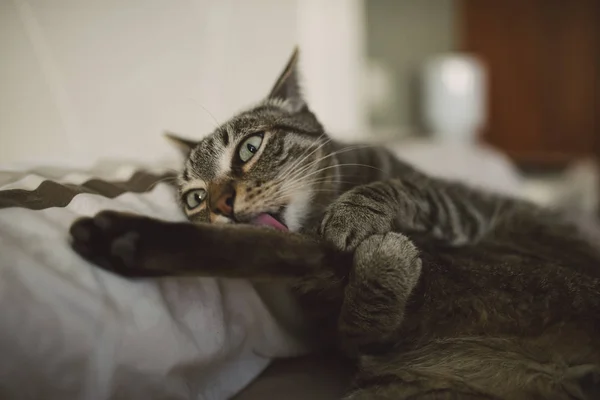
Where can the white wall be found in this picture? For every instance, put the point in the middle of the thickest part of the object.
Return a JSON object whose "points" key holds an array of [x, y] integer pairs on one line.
{"points": [[82, 79], [332, 34]]}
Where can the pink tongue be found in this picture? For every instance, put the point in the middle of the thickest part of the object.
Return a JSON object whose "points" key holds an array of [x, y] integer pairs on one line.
{"points": [[265, 219]]}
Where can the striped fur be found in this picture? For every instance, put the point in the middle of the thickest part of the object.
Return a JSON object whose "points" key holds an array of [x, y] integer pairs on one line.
{"points": [[436, 290]]}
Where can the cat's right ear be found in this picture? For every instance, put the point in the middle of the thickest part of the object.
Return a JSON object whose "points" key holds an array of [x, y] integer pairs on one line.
{"points": [[185, 146], [287, 87]]}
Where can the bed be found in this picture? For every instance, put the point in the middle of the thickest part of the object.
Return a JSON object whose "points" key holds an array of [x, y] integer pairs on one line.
{"points": [[71, 331]]}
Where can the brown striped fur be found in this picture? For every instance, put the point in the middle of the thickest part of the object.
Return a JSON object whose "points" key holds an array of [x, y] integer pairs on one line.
{"points": [[436, 290]]}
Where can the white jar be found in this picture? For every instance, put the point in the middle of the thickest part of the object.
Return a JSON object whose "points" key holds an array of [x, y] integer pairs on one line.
{"points": [[454, 97]]}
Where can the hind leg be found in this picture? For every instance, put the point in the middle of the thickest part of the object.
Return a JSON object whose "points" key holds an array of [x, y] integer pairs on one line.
{"points": [[386, 268], [475, 368]]}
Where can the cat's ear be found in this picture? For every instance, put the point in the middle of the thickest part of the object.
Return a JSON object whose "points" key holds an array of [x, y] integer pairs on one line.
{"points": [[185, 146], [287, 87]]}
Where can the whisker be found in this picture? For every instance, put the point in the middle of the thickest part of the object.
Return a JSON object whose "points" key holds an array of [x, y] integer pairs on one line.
{"points": [[217, 123], [342, 165], [287, 187], [300, 181], [305, 167], [283, 195], [330, 167], [302, 184], [343, 150], [296, 164]]}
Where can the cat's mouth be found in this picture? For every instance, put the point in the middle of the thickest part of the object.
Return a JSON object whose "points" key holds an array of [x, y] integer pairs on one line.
{"points": [[268, 219]]}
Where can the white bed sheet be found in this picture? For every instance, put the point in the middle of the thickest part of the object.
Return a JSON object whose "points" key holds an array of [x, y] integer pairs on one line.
{"points": [[71, 331]]}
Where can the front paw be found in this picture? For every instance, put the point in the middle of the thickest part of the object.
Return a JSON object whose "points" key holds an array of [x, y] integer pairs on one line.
{"points": [[117, 242], [351, 220]]}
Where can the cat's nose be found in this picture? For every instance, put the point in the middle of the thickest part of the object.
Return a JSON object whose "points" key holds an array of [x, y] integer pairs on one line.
{"points": [[221, 200]]}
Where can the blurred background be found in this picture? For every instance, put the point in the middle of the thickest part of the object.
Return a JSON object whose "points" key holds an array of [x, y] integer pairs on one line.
{"points": [[444, 81]]}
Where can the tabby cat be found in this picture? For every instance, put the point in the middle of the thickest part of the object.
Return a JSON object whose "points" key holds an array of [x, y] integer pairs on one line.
{"points": [[436, 290]]}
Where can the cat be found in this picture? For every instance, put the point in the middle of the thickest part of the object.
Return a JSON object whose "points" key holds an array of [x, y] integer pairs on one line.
{"points": [[434, 289]]}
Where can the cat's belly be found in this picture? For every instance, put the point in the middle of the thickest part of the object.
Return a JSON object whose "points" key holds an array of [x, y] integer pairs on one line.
{"points": [[469, 293]]}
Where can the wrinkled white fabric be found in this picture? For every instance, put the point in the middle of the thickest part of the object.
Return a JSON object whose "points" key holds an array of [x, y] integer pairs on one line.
{"points": [[71, 331]]}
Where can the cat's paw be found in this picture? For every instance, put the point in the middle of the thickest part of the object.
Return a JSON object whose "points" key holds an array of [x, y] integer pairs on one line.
{"points": [[117, 242], [351, 220]]}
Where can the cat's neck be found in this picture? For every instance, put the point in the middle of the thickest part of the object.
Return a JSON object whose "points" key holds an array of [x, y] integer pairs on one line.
{"points": [[360, 164]]}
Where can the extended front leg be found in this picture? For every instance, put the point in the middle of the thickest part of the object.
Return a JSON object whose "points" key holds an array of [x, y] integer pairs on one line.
{"points": [[136, 246]]}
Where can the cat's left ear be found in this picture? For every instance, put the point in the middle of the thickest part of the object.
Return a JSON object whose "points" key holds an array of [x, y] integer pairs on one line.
{"points": [[185, 146], [287, 87]]}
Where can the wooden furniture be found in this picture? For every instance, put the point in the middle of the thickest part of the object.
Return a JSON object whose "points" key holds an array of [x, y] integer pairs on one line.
{"points": [[543, 58]]}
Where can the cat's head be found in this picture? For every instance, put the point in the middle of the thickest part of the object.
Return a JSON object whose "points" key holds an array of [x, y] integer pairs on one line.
{"points": [[269, 165]]}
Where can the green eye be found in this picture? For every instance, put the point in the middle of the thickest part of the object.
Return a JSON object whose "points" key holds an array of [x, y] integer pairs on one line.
{"points": [[194, 198], [250, 146]]}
